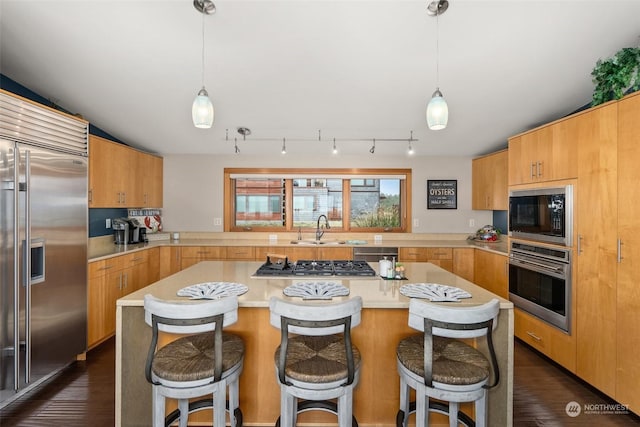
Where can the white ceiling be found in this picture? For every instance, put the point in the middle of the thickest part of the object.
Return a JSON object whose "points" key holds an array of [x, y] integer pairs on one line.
{"points": [[356, 69]]}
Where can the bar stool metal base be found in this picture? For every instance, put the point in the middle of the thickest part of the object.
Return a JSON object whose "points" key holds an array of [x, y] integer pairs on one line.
{"points": [[320, 405], [438, 407], [200, 405]]}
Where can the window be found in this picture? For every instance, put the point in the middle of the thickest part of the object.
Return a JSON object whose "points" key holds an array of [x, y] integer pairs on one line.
{"points": [[288, 200]]}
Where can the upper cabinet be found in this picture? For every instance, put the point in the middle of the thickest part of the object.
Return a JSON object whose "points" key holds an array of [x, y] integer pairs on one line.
{"points": [[489, 182], [122, 177], [547, 153]]}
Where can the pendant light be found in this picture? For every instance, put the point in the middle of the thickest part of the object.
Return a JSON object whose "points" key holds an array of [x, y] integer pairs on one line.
{"points": [[202, 109], [437, 109]]}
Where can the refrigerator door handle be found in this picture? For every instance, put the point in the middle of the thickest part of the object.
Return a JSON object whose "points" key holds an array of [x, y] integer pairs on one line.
{"points": [[16, 269], [27, 263]]}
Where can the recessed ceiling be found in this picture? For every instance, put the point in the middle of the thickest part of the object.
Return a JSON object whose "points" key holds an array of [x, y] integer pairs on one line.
{"points": [[287, 69]]}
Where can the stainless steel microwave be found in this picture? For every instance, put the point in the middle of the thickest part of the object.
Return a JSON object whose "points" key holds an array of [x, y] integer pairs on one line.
{"points": [[542, 214]]}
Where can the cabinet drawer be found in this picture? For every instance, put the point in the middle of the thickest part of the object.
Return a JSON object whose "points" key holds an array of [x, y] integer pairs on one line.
{"points": [[240, 253], [439, 253], [105, 266], [204, 252], [413, 254], [554, 343], [532, 331], [135, 258]]}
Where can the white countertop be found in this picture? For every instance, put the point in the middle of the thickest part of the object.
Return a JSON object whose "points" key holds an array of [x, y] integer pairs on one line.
{"points": [[375, 292]]}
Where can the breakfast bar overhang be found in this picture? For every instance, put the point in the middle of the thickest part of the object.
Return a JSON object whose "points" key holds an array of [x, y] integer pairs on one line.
{"points": [[384, 323]]}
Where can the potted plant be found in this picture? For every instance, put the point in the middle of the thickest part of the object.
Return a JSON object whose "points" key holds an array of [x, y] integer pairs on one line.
{"points": [[616, 75]]}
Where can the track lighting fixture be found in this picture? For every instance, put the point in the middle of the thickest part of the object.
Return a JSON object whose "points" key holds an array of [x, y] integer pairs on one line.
{"points": [[235, 143], [335, 150], [202, 108], [437, 109], [410, 149], [373, 147], [284, 146]]}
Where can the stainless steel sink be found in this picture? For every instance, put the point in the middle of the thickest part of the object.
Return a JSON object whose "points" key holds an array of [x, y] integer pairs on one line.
{"points": [[317, 242]]}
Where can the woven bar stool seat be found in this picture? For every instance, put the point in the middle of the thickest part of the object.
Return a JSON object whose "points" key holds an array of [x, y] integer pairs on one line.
{"points": [[204, 362], [317, 366], [436, 364]]}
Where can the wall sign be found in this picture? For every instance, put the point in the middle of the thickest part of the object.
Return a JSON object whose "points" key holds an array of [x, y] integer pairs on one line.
{"points": [[442, 194]]}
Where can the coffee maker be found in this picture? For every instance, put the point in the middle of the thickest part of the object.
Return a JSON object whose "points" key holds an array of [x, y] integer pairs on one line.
{"points": [[137, 231], [120, 231]]}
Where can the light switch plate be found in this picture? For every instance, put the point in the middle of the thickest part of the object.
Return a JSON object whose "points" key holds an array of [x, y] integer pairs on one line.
{"points": [[217, 221]]}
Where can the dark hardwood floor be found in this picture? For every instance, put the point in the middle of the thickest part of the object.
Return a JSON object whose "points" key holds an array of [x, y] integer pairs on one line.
{"points": [[83, 395]]}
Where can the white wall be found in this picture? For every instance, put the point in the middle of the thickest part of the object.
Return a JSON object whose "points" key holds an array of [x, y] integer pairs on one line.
{"points": [[193, 187]]}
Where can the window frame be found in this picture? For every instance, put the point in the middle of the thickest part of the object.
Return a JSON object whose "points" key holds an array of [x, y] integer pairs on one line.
{"points": [[288, 174]]}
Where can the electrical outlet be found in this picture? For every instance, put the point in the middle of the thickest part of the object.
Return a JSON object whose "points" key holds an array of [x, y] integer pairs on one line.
{"points": [[107, 223], [217, 221], [472, 223], [416, 222]]}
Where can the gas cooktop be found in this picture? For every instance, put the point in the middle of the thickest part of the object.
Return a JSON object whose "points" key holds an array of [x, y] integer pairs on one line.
{"points": [[316, 268]]}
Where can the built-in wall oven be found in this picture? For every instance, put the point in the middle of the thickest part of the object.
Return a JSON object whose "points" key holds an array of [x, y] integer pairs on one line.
{"points": [[540, 282]]}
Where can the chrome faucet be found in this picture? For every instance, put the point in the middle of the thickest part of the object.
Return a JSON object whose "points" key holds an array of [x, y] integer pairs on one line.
{"points": [[319, 231]]}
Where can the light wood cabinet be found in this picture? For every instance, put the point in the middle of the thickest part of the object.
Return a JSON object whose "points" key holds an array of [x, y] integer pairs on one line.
{"points": [[191, 255], [170, 261], [335, 253], [544, 154], [111, 279], [596, 267], [550, 341], [104, 288], [489, 182], [442, 257], [463, 263], [628, 291], [148, 179], [491, 271], [122, 177], [240, 253]]}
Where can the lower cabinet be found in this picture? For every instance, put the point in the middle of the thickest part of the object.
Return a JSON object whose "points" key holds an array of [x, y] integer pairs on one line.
{"points": [[463, 263], [191, 255], [105, 287], [442, 257], [491, 271], [170, 261], [111, 279], [552, 342]]}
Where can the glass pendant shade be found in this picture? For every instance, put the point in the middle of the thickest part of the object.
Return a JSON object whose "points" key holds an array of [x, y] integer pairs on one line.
{"points": [[437, 112], [202, 110]]}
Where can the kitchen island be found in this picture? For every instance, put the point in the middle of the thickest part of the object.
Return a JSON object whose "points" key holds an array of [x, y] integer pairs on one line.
{"points": [[384, 323]]}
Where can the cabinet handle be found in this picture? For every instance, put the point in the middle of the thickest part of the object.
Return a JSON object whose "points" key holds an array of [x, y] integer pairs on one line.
{"points": [[120, 282], [177, 256], [538, 169], [145, 198], [106, 267], [126, 280], [579, 248], [620, 257], [124, 197], [90, 195], [533, 165], [534, 336], [506, 268], [137, 259]]}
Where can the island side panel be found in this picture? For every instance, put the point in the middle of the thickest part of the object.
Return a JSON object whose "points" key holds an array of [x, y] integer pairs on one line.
{"points": [[133, 336]]}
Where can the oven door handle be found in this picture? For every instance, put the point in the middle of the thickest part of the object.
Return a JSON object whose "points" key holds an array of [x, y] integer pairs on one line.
{"points": [[544, 267]]}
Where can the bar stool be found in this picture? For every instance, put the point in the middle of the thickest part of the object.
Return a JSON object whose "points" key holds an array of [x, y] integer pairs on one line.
{"points": [[317, 362], [203, 362], [437, 365]]}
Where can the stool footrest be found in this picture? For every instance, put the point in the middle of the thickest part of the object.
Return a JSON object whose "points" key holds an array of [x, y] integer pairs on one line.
{"points": [[438, 407], [319, 405], [199, 405]]}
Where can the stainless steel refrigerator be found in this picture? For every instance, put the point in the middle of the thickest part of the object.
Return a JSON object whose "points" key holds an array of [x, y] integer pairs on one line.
{"points": [[43, 244]]}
